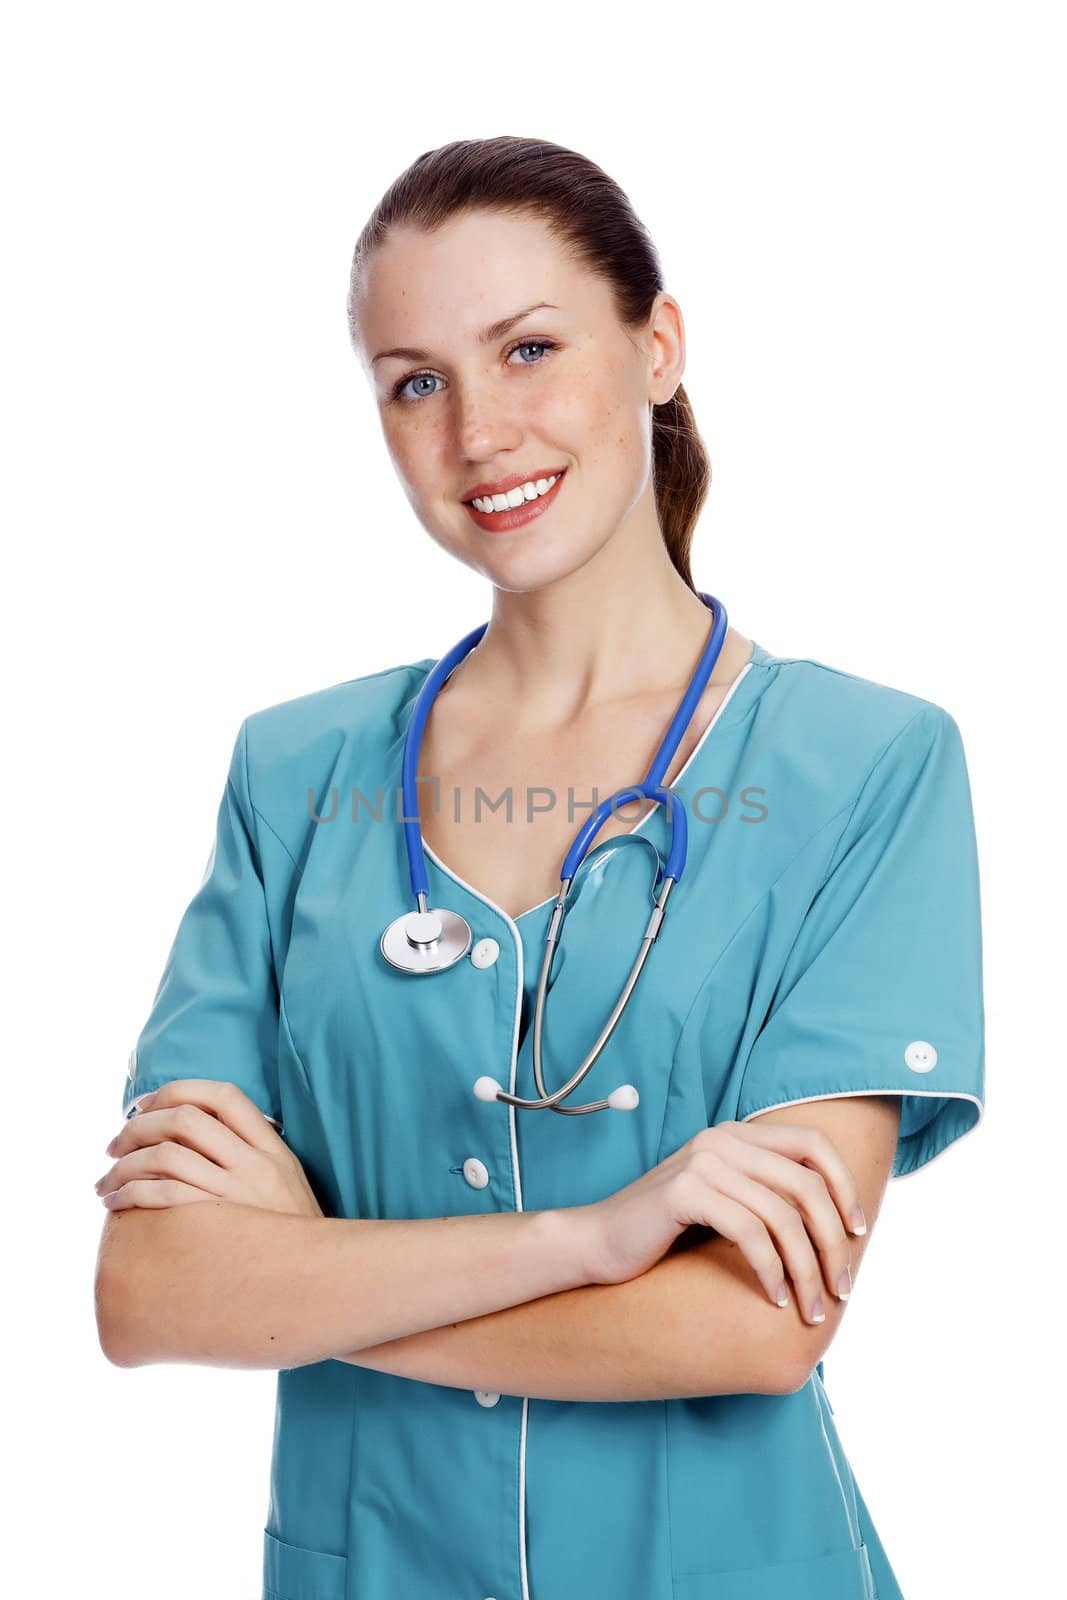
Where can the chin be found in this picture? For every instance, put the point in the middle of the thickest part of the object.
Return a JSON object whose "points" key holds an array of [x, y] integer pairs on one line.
{"points": [[529, 571], [536, 562]]}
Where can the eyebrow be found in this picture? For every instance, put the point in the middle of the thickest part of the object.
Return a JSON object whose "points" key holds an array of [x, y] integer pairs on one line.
{"points": [[489, 335]]}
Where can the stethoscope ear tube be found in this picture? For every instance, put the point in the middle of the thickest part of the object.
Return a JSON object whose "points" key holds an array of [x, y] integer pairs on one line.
{"points": [[625, 1097], [412, 943], [412, 743]]}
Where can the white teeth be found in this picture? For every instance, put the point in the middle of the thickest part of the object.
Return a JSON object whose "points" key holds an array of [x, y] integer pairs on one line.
{"points": [[515, 497]]}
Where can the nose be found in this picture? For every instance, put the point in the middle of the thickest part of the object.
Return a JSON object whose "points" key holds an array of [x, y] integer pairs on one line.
{"points": [[484, 427]]}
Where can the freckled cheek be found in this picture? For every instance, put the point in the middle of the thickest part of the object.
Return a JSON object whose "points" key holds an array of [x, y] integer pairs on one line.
{"points": [[420, 454], [417, 453], [580, 413], [601, 424]]}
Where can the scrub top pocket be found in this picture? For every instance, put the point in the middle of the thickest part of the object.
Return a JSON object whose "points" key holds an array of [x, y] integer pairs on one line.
{"points": [[293, 1573], [844, 1575]]}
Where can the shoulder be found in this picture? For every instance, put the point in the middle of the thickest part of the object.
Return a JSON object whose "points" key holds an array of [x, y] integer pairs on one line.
{"points": [[364, 709], [831, 710], [289, 755], [822, 737]]}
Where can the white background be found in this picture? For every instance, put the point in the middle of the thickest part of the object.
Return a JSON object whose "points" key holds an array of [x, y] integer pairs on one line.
{"points": [[860, 211]]}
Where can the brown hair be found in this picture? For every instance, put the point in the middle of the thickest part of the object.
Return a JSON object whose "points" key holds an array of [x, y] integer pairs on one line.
{"points": [[593, 217]]}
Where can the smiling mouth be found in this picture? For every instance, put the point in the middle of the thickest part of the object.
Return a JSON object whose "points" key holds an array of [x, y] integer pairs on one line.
{"points": [[522, 494]]}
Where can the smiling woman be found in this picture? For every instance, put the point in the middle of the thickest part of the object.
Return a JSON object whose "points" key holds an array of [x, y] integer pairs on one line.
{"points": [[503, 1367], [578, 378]]}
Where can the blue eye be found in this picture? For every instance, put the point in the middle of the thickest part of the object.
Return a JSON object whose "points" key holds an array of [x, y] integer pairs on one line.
{"points": [[532, 344], [416, 377]]}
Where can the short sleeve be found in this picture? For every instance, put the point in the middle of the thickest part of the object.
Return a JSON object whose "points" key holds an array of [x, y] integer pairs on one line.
{"points": [[881, 991], [215, 1011]]}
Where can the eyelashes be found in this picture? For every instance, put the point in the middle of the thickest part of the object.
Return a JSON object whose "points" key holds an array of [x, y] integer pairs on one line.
{"points": [[397, 393]]}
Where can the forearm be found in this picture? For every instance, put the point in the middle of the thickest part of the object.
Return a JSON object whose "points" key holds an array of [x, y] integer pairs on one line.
{"points": [[697, 1323], [237, 1286]]}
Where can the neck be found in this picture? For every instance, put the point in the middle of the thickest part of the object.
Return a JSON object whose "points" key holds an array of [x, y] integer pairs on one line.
{"points": [[626, 623]]}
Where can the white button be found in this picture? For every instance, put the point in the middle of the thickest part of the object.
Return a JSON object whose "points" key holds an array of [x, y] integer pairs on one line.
{"points": [[920, 1056], [475, 1172], [485, 1397], [485, 952], [131, 1065]]}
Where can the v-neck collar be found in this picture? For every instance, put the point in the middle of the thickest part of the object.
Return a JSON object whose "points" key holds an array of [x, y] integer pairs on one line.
{"points": [[734, 705]]}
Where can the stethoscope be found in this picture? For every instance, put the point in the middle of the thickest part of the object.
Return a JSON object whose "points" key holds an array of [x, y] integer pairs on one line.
{"points": [[426, 940]]}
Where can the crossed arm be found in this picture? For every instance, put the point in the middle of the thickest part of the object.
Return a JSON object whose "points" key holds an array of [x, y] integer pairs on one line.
{"points": [[697, 1323], [269, 1290]]}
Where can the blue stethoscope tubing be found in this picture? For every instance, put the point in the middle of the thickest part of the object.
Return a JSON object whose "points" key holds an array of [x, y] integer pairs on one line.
{"points": [[431, 940]]}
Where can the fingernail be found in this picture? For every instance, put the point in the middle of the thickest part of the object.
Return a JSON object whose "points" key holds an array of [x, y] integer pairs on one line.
{"points": [[98, 1185], [781, 1296], [110, 1151], [844, 1284], [817, 1312], [142, 1101], [859, 1221]]}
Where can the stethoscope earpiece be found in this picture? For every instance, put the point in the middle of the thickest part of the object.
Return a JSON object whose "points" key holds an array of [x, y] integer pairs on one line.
{"points": [[431, 940], [624, 1098]]}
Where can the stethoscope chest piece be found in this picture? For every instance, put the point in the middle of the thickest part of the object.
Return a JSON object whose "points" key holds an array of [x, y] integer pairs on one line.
{"points": [[426, 941]]}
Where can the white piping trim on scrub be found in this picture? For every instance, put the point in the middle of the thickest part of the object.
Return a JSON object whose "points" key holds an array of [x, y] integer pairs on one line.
{"points": [[677, 778], [929, 1094], [636, 827], [485, 899]]}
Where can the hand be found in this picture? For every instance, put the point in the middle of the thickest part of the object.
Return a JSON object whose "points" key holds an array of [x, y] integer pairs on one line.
{"points": [[782, 1194], [198, 1139]]}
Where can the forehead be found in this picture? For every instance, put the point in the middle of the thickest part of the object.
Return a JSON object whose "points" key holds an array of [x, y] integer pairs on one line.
{"points": [[440, 288]]}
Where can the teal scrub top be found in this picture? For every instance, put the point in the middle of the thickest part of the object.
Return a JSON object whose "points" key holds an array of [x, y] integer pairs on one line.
{"points": [[824, 940]]}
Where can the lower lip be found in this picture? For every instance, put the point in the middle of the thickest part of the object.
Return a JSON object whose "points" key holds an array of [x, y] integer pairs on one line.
{"points": [[519, 516]]}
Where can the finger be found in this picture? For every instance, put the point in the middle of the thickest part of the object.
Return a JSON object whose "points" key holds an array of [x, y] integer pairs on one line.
{"points": [[786, 1227], [153, 1194], [710, 1208], [805, 1189], [167, 1160], [814, 1148], [182, 1124], [223, 1100]]}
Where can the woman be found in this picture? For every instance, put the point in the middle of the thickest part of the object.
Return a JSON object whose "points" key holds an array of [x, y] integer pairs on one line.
{"points": [[807, 1024]]}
